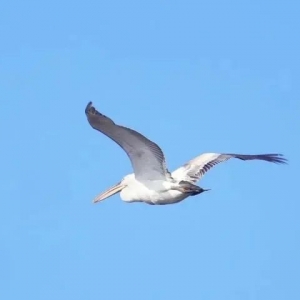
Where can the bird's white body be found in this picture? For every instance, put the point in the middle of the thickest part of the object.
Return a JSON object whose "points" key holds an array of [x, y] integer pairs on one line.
{"points": [[151, 192], [151, 182]]}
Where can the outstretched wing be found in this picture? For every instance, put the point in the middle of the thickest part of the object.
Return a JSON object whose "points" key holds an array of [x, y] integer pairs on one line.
{"points": [[146, 157], [195, 169]]}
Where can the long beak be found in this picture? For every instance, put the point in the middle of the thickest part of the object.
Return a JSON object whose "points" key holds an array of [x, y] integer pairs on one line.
{"points": [[110, 192]]}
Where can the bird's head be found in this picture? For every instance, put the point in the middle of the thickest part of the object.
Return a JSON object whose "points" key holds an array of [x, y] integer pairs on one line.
{"points": [[114, 189]]}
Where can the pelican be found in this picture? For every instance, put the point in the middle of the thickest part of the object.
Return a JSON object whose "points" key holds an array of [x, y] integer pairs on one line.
{"points": [[151, 181]]}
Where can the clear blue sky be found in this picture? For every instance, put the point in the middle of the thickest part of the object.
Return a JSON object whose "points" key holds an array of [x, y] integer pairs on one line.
{"points": [[219, 76]]}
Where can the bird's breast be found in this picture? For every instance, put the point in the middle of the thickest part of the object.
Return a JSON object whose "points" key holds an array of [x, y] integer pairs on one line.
{"points": [[152, 192]]}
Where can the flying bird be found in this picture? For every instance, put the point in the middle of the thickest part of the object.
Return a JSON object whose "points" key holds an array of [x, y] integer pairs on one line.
{"points": [[151, 181]]}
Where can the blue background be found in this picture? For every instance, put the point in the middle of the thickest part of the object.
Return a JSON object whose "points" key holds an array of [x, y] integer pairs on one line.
{"points": [[214, 76]]}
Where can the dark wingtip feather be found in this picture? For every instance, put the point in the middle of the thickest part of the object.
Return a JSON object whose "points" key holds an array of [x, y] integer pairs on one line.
{"points": [[276, 158], [89, 108], [94, 116], [273, 157]]}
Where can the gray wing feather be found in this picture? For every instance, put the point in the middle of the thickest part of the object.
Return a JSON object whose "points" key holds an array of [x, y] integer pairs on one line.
{"points": [[195, 169], [146, 157]]}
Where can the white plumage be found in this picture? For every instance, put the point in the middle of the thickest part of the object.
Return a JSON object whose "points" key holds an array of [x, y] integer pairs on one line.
{"points": [[151, 181]]}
